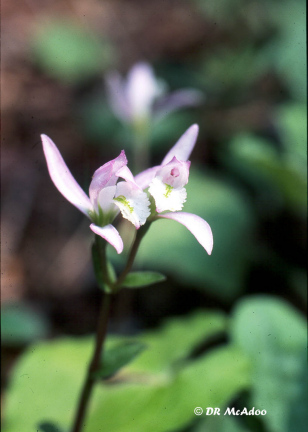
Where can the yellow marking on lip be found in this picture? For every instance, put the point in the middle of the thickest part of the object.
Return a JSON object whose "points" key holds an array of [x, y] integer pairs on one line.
{"points": [[168, 190], [121, 199]]}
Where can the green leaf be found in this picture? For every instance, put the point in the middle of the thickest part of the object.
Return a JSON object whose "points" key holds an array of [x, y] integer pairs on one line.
{"points": [[20, 324], [69, 53], [118, 356], [47, 380], [220, 424], [49, 427], [170, 399], [176, 339], [100, 277], [291, 120], [287, 52], [142, 279], [273, 335], [284, 175]]}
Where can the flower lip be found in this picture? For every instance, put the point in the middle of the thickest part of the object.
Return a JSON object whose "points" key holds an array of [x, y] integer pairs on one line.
{"points": [[133, 203]]}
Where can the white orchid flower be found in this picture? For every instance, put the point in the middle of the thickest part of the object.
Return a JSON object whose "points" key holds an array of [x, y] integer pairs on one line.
{"points": [[106, 197], [142, 96], [166, 183]]}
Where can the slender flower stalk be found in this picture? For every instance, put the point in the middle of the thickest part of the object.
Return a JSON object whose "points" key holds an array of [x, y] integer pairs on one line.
{"points": [[94, 364]]}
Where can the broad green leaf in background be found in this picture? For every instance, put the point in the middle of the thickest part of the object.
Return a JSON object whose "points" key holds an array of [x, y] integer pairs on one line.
{"points": [[46, 381], [142, 279], [287, 53], [291, 121], [69, 53], [281, 173], [167, 403], [170, 248], [219, 424], [273, 335], [21, 324]]}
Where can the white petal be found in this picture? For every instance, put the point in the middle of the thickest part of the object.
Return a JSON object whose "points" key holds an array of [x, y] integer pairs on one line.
{"points": [[141, 90], [126, 174], [166, 197], [105, 198], [184, 146], [110, 234], [62, 177], [133, 203], [196, 225]]}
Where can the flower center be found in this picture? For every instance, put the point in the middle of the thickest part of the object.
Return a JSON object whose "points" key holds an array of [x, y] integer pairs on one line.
{"points": [[121, 199], [168, 190]]}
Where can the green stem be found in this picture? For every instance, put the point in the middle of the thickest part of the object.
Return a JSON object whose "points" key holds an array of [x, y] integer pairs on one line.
{"points": [[132, 254], [98, 349], [141, 145], [103, 322]]}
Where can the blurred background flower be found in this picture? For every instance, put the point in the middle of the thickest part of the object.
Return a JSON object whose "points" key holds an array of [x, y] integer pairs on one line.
{"points": [[248, 181]]}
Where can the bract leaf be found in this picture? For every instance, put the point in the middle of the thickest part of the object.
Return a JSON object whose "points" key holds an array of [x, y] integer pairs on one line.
{"points": [[118, 356], [142, 279], [48, 427]]}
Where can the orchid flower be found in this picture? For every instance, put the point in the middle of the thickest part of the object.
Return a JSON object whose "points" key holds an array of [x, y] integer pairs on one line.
{"points": [[106, 197], [142, 96], [166, 183]]}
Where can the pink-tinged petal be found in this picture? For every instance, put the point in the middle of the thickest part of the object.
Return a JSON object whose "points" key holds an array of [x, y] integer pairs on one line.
{"points": [[176, 100], [110, 234], [196, 225], [144, 178], [116, 96], [126, 174], [62, 177], [184, 146], [106, 176]]}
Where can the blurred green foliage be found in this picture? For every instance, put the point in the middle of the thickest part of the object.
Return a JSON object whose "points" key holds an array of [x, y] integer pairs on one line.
{"points": [[159, 390], [70, 53], [273, 335], [21, 324]]}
